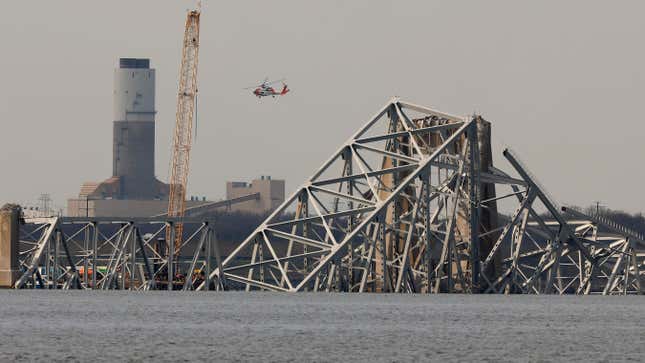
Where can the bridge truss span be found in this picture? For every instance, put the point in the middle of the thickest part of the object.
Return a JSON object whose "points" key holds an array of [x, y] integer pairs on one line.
{"points": [[112, 253], [409, 204]]}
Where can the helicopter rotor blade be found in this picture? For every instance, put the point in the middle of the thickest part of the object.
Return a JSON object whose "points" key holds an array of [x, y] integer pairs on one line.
{"points": [[266, 83], [276, 81]]}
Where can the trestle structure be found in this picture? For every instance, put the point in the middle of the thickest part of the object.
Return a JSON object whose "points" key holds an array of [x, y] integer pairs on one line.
{"points": [[409, 204], [109, 253]]}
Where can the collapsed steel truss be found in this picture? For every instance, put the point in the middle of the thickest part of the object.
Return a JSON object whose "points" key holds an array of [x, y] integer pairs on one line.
{"points": [[407, 205], [110, 253]]}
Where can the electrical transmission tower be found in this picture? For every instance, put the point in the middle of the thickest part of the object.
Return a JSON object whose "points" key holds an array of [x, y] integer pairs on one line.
{"points": [[45, 205]]}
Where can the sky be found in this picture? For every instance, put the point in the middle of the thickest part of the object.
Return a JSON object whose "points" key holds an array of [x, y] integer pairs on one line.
{"points": [[562, 82]]}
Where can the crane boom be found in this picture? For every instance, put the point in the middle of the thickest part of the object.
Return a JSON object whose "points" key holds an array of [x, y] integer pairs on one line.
{"points": [[182, 140]]}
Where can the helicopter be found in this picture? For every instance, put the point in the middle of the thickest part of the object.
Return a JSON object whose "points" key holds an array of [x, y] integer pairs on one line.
{"points": [[265, 89]]}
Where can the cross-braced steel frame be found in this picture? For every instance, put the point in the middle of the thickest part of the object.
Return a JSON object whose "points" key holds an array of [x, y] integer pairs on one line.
{"points": [[407, 205], [111, 253]]}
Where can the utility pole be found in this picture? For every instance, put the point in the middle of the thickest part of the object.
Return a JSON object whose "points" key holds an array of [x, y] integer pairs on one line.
{"points": [[597, 207]]}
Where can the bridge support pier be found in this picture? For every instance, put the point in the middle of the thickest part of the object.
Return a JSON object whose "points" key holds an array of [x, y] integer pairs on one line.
{"points": [[9, 232]]}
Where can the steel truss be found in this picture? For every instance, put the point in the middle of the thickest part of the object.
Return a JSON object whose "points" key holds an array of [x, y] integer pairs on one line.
{"points": [[107, 253], [405, 205]]}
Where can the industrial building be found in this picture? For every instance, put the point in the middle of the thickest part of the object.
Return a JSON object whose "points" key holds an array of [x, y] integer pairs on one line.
{"points": [[133, 189], [270, 194]]}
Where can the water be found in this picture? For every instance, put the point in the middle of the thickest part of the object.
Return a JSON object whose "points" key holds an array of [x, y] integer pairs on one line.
{"points": [[162, 326]]}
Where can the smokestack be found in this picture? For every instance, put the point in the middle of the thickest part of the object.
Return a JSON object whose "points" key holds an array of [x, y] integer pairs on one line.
{"points": [[133, 159]]}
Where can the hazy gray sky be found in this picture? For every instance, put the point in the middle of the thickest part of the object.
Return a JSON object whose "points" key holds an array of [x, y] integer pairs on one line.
{"points": [[562, 81]]}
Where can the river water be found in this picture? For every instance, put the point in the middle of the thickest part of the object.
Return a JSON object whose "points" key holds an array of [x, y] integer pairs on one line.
{"points": [[235, 326]]}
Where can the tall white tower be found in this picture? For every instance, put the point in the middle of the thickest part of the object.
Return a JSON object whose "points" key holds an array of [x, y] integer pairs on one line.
{"points": [[134, 129]]}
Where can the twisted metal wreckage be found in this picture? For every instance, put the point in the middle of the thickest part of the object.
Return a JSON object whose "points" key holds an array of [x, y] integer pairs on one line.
{"points": [[407, 204]]}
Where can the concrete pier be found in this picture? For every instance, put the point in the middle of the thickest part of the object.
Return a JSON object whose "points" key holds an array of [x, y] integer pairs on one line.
{"points": [[9, 234]]}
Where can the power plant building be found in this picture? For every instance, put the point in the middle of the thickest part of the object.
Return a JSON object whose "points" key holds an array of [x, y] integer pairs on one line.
{"points": [[134, 132], [270, 194], [133, 189]]}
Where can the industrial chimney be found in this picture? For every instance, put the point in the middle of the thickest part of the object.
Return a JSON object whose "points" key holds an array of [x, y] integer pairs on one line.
{"points": [[133, 189], [133, 160]]}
